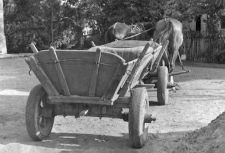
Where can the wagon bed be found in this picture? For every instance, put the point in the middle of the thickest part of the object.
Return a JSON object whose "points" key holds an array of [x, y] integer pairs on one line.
{"points": [[80, 75], [92, 83]]}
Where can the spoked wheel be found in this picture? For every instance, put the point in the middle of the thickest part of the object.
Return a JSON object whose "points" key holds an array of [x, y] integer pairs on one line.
{"points": [[138, 129], [38, 126], [162, 81]]}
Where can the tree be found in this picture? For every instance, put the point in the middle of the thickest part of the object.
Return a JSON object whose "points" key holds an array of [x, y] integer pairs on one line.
{"points": [[60, 23], [3, 49], [220, 3]]}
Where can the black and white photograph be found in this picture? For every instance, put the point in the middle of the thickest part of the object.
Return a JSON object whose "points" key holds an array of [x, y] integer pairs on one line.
{"points": [[112, 76]]}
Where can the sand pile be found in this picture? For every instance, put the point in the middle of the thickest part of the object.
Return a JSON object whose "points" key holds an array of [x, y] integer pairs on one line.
{"points": [[210, 139]]}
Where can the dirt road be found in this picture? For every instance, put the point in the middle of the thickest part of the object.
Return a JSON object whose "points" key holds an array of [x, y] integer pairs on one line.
{"points": [[199, 101]]}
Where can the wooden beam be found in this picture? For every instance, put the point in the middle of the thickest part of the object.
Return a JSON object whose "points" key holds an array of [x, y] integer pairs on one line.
{"points": [[122, 102], [78, 99], [59, 71], [94, 77], [42, 77], [33, 48], [134, 70], [159, 57]]}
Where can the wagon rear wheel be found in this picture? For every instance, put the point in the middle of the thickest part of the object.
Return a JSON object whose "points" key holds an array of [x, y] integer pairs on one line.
{"points": [[138, 129], [38, 126], [162, 81]]}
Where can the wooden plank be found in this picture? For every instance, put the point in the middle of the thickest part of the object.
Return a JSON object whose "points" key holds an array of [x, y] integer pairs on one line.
{"points": [[42, 77], [78, 99], [121, 102], [59, 71], [33, 48], [147, 86], [94, 77]]}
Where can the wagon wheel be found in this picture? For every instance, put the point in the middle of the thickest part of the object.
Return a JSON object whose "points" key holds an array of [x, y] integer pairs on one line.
{"points": [[38, 126], [162, 81], [138, 129]]}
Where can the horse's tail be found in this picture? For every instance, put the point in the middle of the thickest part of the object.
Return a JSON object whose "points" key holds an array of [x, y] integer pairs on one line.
{"points": [[168, 31], [164, 35]]}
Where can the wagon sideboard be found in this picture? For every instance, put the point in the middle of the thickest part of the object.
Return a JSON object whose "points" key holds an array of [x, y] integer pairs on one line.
{"points": [[98, 83]]}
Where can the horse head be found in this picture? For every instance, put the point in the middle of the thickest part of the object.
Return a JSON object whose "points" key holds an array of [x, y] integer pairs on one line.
{"points": [[123, 31]]}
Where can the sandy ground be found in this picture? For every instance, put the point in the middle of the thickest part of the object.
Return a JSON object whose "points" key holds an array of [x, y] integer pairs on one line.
{"points": [[199, 101]]}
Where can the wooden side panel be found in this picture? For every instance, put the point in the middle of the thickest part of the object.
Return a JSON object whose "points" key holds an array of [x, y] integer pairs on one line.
{"points": [[77, 72], [111, 88], [41, 75], [110, 73], [84, 78]]}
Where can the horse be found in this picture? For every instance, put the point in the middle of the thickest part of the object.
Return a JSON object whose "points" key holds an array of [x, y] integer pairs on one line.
{"points": [[169, 29], [121, 31]]}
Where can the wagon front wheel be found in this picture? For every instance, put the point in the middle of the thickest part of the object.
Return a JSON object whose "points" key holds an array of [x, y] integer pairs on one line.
{"points": [[38, 125], [138, 129], [162, 81]]}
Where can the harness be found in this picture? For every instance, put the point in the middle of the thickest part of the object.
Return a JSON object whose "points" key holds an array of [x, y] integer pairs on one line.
{"points": [[125, 38]]}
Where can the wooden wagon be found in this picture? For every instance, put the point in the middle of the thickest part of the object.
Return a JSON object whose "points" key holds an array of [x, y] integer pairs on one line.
{"points": [[92, 83]]}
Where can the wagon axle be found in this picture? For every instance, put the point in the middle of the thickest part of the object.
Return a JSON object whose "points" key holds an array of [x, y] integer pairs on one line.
{"points": [[147, 119]]}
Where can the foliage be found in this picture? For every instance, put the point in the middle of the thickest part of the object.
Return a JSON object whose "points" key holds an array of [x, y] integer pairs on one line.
{"points": [[29, 22], [60, 23]]}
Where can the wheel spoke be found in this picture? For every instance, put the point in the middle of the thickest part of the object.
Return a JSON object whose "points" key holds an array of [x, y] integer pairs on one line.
{"points": [[43, 122]]}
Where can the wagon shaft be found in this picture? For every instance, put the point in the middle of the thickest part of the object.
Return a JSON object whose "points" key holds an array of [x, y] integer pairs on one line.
{"points": [[178, 73]]}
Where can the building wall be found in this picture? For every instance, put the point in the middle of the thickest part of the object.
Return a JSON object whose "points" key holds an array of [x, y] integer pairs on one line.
{"points": [[3, 49]]}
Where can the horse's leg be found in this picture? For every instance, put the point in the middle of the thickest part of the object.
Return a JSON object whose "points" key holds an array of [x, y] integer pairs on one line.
{"points": [[175, 45]]}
